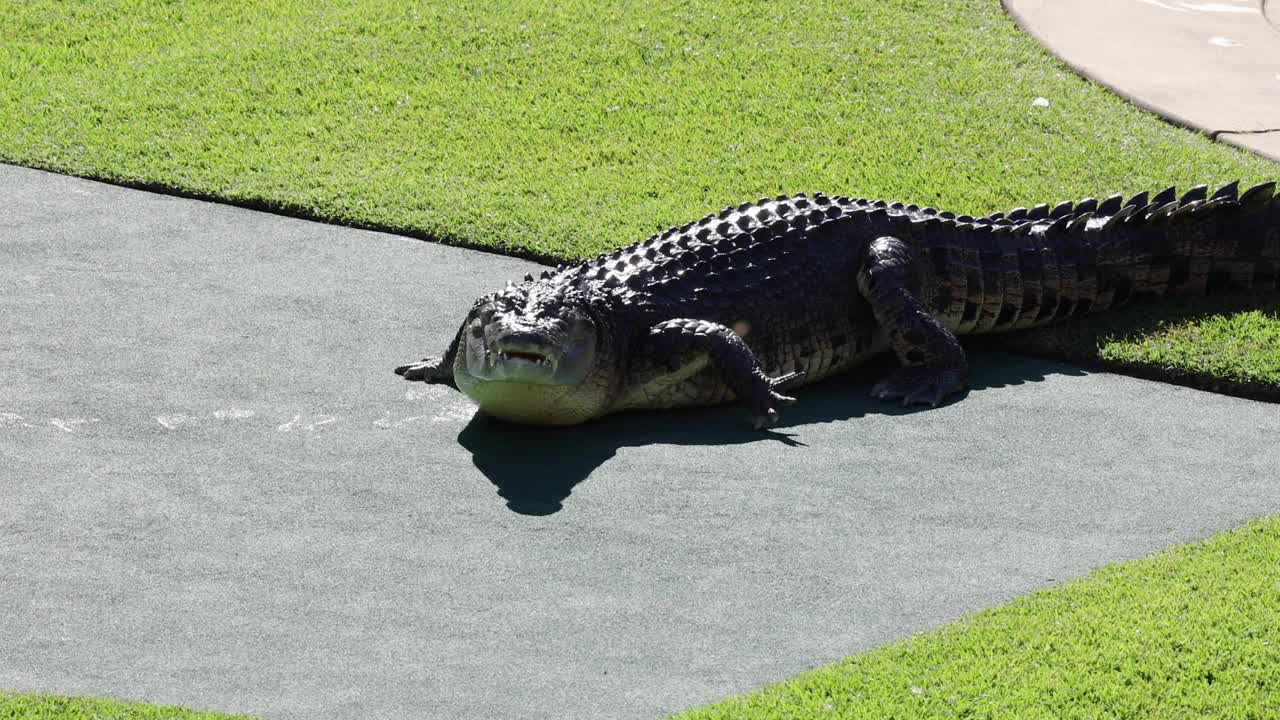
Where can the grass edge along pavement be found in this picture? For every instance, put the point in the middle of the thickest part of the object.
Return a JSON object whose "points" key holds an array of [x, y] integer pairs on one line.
{"points": [[1227, 342], [1190, 631], [544, 148], [45, 706]]}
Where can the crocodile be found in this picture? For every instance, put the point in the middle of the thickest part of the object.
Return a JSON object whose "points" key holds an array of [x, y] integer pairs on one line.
{"points": [[765, 296]]}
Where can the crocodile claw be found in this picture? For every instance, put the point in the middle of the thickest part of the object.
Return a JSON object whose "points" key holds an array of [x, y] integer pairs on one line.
{"points": [[764, 411], [429, 370], [920, 385]]}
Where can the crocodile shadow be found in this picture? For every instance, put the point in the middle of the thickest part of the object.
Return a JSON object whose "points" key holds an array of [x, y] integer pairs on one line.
{"points": [[535, 469]]}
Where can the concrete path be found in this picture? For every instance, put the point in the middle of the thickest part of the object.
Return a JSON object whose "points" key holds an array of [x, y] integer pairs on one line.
{"points": [[1211, 66], [216, 493]]}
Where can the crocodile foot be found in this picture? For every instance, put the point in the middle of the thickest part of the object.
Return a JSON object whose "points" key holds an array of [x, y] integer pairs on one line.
{"points": [[923, 385], [429, 370], [764, 404]]}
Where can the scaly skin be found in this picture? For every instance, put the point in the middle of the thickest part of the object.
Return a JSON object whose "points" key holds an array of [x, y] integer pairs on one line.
{"points": [[789, 291]]}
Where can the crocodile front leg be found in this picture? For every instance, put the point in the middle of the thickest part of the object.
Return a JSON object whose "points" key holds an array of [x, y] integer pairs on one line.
{"points": [[934, 363], [680, 341], [434, 369]]}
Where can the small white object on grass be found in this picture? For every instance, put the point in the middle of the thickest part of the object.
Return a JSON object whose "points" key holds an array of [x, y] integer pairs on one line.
{"points": [[1040, 102]]}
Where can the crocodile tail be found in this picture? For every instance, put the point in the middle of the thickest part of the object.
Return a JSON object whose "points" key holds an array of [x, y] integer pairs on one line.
{"points": [[1193, 244], [1246, 250]]}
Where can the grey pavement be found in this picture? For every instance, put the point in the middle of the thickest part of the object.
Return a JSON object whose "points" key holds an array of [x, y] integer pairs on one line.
{"points": [[217, 494], [1213, 66]]}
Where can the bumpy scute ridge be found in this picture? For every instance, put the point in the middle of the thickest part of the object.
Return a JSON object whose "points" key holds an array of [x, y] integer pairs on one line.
{"points": [[803, 286]]}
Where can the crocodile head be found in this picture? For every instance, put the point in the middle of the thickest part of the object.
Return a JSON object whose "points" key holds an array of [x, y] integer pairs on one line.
{"points": [[535, 354]]}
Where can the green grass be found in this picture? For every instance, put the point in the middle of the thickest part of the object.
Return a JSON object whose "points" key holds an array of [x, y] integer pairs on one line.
{"points": [[25, 706], [1242, 348], [1191, 632], [560, 129], [557, 130], [1203, 342]]}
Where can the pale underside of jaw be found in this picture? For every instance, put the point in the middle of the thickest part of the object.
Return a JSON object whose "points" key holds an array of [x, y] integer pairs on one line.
{"points": [[530, 387]]}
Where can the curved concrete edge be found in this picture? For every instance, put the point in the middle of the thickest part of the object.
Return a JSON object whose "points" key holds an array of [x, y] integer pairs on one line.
{"points": [[1266, 144], [1208, 67]]}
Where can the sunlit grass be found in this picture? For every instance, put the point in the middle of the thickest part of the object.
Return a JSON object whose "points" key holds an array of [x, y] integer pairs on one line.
{"points": [[1206, 342], [41, 706], [561, 129], [1192, 632], [557, 130]]}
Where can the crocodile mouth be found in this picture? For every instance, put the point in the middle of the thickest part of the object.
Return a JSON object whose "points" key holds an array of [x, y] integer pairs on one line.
{"points": [[524, 356], [536, 383], [522, 361]]}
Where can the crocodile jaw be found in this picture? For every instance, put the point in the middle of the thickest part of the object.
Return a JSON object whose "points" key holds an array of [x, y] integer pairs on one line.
{"points": [[531, 403], [508, 360], [526, 371], [516, 387]]}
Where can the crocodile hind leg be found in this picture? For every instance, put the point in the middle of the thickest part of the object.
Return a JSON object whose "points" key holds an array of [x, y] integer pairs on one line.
{"points": [[934, 364], [681, 339]]}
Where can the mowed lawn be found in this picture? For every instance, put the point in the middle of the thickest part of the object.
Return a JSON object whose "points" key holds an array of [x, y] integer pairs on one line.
{"points": [[560, 130], [1191, 632], [31, 706]]}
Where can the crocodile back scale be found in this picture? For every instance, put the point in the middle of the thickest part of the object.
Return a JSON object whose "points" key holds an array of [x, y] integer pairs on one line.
{"points": [[789, 290]]}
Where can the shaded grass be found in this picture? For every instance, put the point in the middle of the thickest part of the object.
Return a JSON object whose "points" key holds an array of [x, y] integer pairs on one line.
{"points": [[1227, 343], [1191, 632], [40, 706]]}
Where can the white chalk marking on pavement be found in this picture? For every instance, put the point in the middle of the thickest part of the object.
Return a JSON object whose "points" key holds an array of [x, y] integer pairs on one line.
{"points": [[1183, 6], [429, 391], [8, 419], [454, 413], [172, 421], [1222, 7], [1166, 6], [327, 419], [70, 424]]}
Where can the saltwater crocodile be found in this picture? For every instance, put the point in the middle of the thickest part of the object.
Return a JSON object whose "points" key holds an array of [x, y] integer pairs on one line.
{"points": [[790, 290]]}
